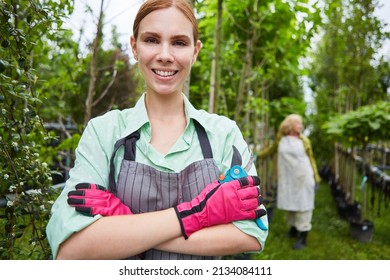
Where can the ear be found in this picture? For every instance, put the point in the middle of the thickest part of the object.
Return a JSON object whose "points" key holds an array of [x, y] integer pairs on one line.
{"points": [[133, 45], [197, 48]]}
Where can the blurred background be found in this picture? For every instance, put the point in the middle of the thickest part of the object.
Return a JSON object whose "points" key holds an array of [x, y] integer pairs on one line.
{"points": [[65, 62]]}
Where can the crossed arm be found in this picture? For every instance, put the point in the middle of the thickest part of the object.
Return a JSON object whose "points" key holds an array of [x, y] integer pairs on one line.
{"points": [[118, 237]]}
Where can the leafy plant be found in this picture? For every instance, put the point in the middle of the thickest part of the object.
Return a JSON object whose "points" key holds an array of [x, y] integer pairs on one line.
{"points": [[358, 128], [362, 126], [25, 179]]}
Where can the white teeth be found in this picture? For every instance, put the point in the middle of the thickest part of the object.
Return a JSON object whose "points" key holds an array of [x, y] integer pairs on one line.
{"points": [[164, 73]]}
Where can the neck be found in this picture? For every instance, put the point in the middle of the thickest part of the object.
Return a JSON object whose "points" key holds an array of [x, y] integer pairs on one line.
{"points": [[164, 106], [295, 134]]}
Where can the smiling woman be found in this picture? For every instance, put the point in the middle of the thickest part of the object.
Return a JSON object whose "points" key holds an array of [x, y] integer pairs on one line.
{"points": [[145, 181]]}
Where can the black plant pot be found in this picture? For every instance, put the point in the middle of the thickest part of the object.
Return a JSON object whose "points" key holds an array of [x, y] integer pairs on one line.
{"points": [[353, 212], [342, 207], [362, 230]]}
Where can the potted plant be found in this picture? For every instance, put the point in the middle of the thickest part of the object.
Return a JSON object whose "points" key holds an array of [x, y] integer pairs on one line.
{"points": [[358, 128]]}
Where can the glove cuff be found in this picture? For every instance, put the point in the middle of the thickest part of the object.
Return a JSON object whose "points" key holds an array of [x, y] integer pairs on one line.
{"points": [[188, 223], [181, 223]]}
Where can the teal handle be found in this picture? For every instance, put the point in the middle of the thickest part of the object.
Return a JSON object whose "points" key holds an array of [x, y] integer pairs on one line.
{"points": [[236, 172]]}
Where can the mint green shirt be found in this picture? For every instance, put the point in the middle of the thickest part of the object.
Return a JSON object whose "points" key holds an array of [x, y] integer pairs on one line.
{"points": [[92, 164]]}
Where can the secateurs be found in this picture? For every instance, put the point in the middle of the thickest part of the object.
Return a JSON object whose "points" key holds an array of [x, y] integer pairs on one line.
{"points": [[236, 172]]}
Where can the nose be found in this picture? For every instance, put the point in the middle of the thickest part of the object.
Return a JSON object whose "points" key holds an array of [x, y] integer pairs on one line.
{"points": [[165, 53]]}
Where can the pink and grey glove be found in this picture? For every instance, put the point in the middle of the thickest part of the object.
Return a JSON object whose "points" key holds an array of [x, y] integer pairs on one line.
{"points": [[221, 203], [91, 199]]}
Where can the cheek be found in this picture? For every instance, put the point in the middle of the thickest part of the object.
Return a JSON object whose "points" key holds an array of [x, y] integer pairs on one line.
{"points": [[185, 57]]}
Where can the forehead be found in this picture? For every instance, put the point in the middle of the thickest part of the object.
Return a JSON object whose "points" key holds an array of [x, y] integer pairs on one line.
{"points": [[297, 120], [169, 20]]}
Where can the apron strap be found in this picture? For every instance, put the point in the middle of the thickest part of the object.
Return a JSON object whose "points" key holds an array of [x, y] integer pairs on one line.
{"points": [[129, 142], [204, 140], [130, 145]]}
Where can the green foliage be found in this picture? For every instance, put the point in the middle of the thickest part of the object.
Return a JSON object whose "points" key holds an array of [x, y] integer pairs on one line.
{"points": [[284, 106], [346, 70], [59, 65], [362, 126], [280, 40], [25, 179]]}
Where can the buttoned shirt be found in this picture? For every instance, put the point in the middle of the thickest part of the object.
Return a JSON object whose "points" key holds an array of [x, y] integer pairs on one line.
{"points": [[93, 153]]}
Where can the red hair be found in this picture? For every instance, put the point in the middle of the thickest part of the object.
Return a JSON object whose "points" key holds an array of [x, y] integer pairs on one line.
{"points": [[153, 5]]}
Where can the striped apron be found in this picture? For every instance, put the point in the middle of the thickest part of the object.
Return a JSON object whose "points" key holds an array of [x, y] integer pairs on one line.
{"points": [[145, 189]]}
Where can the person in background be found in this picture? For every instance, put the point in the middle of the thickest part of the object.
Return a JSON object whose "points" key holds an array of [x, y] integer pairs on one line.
{"points": [[145, 180], [297, 177]]}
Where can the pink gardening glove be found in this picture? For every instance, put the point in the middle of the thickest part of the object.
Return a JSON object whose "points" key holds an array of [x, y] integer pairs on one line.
{"points": [[221, 203], [91, 199]]}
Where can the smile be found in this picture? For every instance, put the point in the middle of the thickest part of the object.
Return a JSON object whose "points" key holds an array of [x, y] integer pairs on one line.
{"points": [[164, 73]]}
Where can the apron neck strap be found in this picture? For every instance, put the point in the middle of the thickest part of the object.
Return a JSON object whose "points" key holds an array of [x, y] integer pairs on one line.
{"points": [[129, 142], [203, 139]]}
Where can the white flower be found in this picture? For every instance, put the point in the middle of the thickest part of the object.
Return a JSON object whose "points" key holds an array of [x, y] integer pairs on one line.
{"points": [[42, 207], [10, 203], [6, 176], [44, 164], [14, 144], [12, 188]]}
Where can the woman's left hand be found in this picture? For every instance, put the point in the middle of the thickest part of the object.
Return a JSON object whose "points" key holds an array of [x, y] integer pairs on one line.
{"points": [[92, 199]]}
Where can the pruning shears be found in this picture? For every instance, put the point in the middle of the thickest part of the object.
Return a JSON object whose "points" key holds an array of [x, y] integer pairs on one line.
{"points": [[236, 172]]}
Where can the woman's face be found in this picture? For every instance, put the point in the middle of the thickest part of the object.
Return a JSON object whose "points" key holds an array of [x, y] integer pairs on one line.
{"points": [[297, 126], [165, 50]]}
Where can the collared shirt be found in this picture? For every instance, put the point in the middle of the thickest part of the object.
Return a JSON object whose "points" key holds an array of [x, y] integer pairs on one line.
{"points": [[92, 164]]}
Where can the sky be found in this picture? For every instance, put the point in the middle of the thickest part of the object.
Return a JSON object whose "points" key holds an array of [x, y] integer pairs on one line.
{"points": [[121, 13]]}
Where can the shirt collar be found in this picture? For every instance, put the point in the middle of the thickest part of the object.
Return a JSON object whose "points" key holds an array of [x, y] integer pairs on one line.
{"points": [[193, 113], [138, 117]]}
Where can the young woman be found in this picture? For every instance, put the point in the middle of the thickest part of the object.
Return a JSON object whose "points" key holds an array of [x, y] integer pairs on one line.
{"points": [[145, 181], [298, 177]]}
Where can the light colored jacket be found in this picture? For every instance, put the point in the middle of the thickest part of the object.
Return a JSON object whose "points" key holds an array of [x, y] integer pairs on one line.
{"points": [[273, 149]]}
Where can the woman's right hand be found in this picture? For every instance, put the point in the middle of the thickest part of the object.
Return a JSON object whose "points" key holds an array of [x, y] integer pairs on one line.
{"points": [[221, 203]]}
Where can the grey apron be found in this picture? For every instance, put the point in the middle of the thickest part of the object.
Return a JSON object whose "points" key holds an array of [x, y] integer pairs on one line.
{"points": [[146, 189]]}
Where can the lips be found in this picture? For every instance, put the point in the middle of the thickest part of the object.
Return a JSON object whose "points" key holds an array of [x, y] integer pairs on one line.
{"points": [[164, 73]]}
